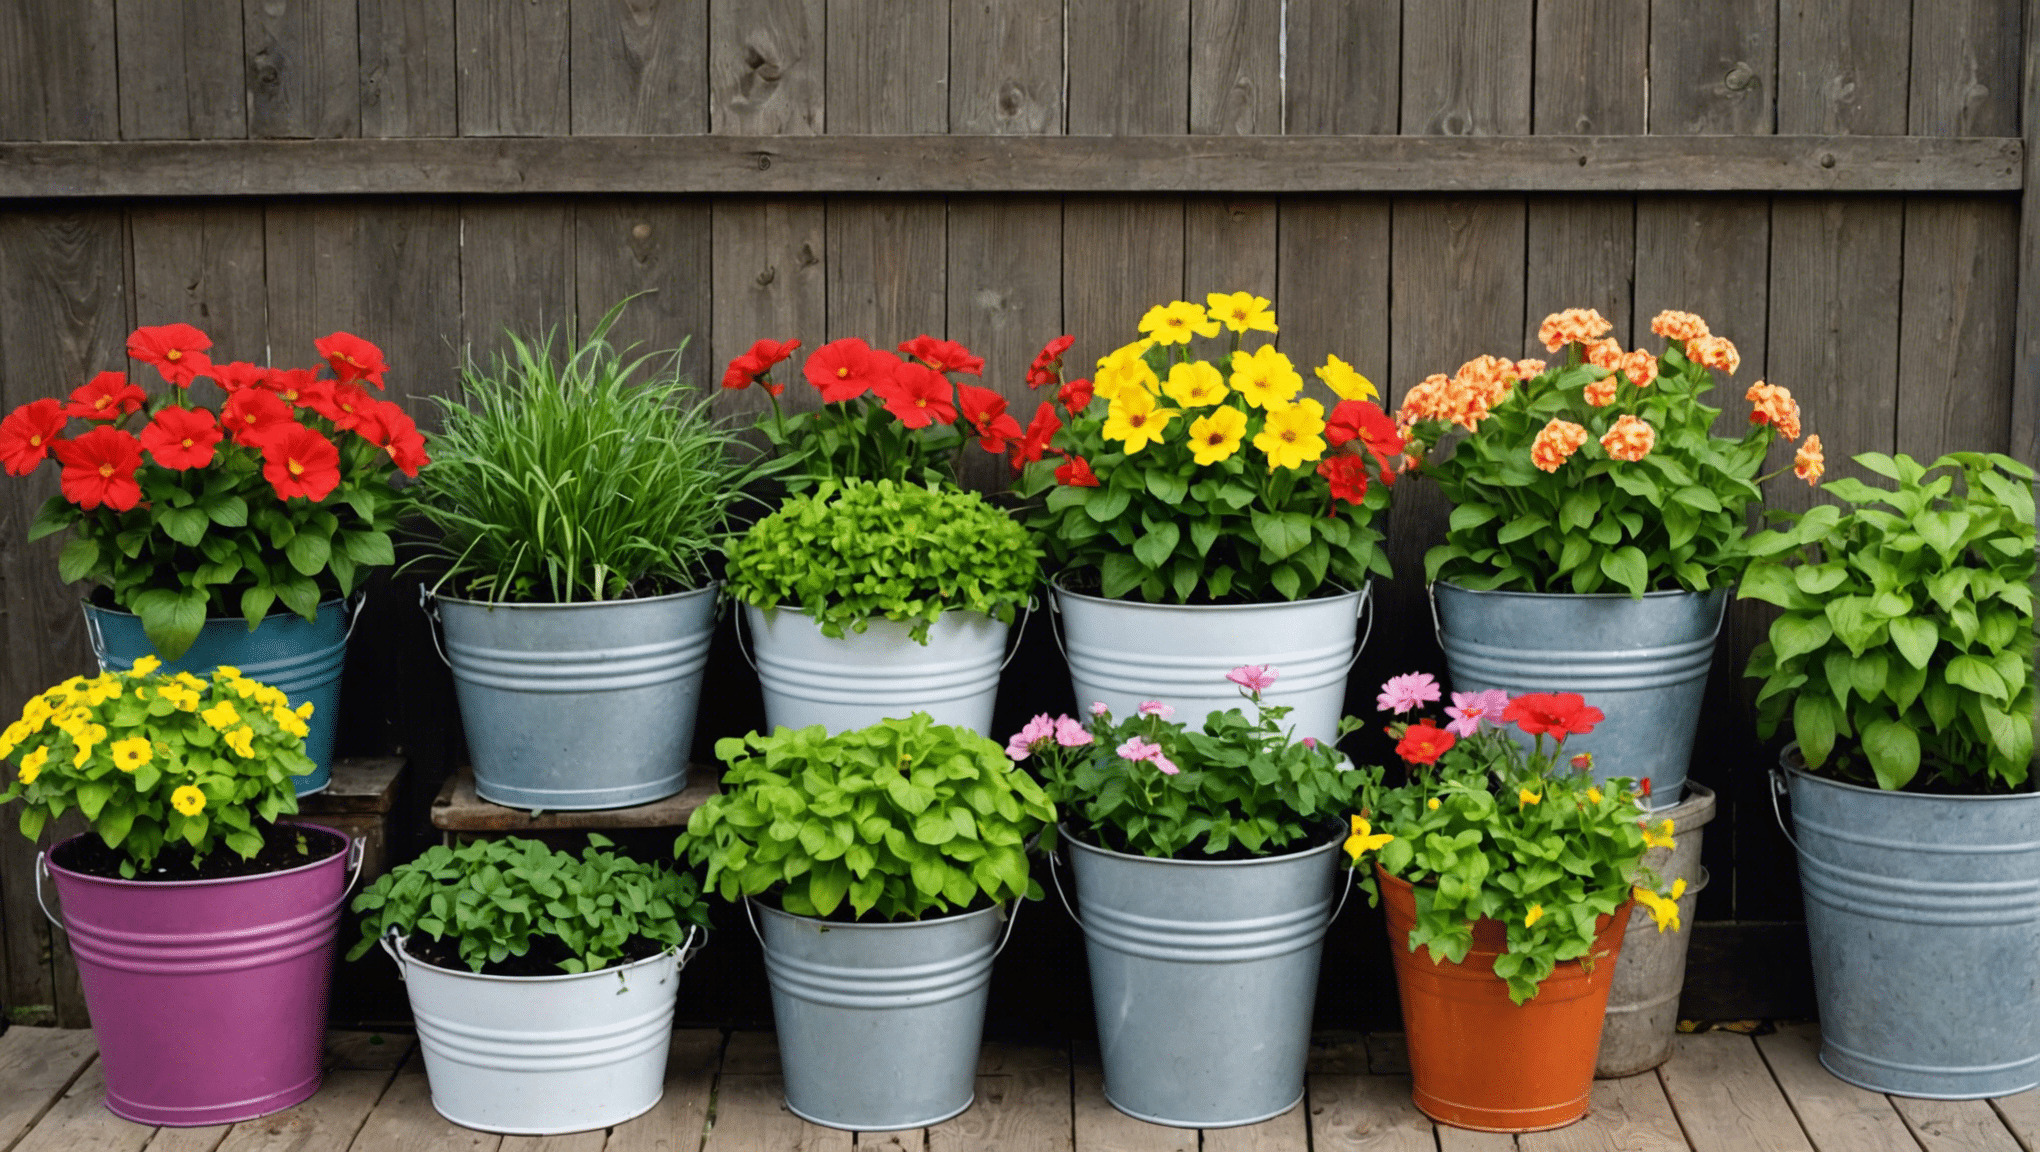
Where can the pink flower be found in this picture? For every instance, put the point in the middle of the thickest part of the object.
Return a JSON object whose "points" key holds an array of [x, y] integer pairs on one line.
{"points": [[1252, 677], [1469, 709], [1310, 742], [1163, 765], [1070, 734], [1157, 708], [1138, 750], [1407, 691], [1023, 741], [1098, 708]]}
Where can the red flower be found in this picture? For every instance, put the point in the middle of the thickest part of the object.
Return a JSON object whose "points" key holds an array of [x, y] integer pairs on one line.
{"points": [[1560, 713], [846, 369], [944, 355], [1075, 395], [1348, 476], [1362, 421], [1048, 362], [1076, 473], [346, 405], [99, 468], [741, 372], [390, 428], [1423, 742], [299, 462], [297, 385], [1040, 431], [917, 396], [353, 358], [176, 350], [770, 352], [986, 411], [238, 375], [108, 397], [27, 435], [251, 413], [746, 369], [181, 438]]}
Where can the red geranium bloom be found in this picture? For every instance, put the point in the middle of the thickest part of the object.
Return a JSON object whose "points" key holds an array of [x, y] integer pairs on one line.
{"points": [[297, 385], [345, 405], [108, 397], [1363, 421], [1076, 473], [1048, 362], [1423, 742], [916, 395], [240, 374], [181, 438], [1075, 395], [176, 350], [846, 369], [251, 412], [28, 433], [390, 428], [1560, 713], [1348, 476], [944, 355], [741, 372], [770, 352], [99, 468], [353, 358], [1040, 431], [986, 411], [297, 461]]}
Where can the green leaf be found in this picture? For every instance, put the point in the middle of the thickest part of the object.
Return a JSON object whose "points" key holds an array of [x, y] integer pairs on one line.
{"points": [[1281, 533], [1894, 752], [1977, 675], [1627, 567], [76, 561], [227, 511], [1154, 546], [184, 525], [1167, 487], [170, 620], [371, 549], [1815, 719], [1520, 527], [1915, 639], [307, 552]]}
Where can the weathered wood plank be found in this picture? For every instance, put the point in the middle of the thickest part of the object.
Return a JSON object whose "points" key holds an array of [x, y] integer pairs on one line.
{"points": [[1713, 67], [1843, 65], [409, 68], [1322, 305], [79, 1122], [769, 282], [1725, 1096], [1006, 67], [679, 1120], [639, 67], [1366, 1114], [1965, 69], [1580, 253], [367, 1051], [751, 1116], [1837, 1116], [1957, 323], [1627, 1115], [1343, 66], [1956, 1125], [203, 265], [327, 1122], [1466, 67], [765, 67], [1099, 1125], [658, 247], [208, 1139], [403, 1121], [1023, 1105], [1129, 67], [59, 81], [513, 68], [2021, 1114], [1289, 1132], [458, 809], [516, 271], [304, 67], [1121, 257], [1005, 300], [1706, 255], [1236, 67], [887, 66], [1590, 67], [181, 70], [1229, 245], [565, 1142], [2026, 364], [1452, 1139], [36, 1065]]}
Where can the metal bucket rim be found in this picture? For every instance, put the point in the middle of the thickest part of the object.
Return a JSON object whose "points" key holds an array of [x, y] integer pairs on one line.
{"points": [[1660, 594], [346, 842], [1338, 838], [562, 606], [840, 925], [1344, 593], [797, 610], [561, 977], [335, 603], [1900, 795]]}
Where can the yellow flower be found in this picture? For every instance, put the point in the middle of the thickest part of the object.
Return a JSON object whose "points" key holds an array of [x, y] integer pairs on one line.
{"points": [[36, 712], [183, 698], [1134, 420], [1216, 435], [1265, 377], [103, 689], [86, 738], [131, 753], [1594, 794], [1432, 804], [221, 716], [1289, 436], [1195, 385], [242, 741], [269, 697], [289, 722], [1661, 838], [32, 764], [1526, 796], [1134, 379], [1123, 357], [1343, 379], [1241, 311], [304, 710], [145, 665], [188, 800], [1535, 914], [72, 719], [1665, 912], [1678, 887], [14, 734], [244, 688], [1177, 321], [1364, 839], [226, 672], [191, 682]]}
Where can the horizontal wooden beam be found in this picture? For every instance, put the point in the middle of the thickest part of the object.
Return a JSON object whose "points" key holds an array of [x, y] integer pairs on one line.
{"points": [[784, 165]]}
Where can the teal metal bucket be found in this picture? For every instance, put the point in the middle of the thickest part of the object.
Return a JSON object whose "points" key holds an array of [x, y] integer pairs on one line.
{"points": [[301, 658]]}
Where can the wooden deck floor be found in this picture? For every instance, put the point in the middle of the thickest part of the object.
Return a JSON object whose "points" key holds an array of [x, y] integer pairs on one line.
{"points": [[1722, 1092]]}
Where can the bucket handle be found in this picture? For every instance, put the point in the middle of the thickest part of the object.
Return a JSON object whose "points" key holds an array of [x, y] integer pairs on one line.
{"points": [[429, 604], [1777, 790], [1011, 911], [357, 851], [1055, 877], [1018, 634], [97, 639], [42, 870], [354, 613], [388, 940], [1437, 625], [1054, 613], [737, 622], [1366, 606]]}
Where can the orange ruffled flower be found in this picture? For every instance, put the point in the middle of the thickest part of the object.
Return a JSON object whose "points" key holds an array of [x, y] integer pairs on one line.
{"points": [[1605, 354], [1529, 369], [1808, 463], [1775, 406], [1464, 399], [1601, 393], [1678, 325], [1714, 352], [1572, 326], [1640, 367], [1630, 439], [1559, 440]]}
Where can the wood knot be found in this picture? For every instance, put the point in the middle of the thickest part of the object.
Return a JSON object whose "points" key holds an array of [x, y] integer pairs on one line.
{"points": [[1739, 78]]}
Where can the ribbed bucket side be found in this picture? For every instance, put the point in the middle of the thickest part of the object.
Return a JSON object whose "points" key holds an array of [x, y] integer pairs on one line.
{"points": [[572, 707], [301, 658], [863, 677], [1643, 662], [1923, 913], [1203, 975], [1643, 1004], [1125, 652], [208, 997], [879, 1024], [549, 1054]]}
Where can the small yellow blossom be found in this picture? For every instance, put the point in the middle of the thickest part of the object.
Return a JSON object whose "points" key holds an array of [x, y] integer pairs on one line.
{"points": [[269, 697], [242, 741], [1216, 435], [1594, 794], [289, 722], [1195, 385], [87, 737], [36, 712], [304, 710], [1241, 311], [1289, 436], [1665, 912], [1134, 420], [32, 764], [131, 753], [1659, 838], [188, 800], [1134, 379], [191, 682], [1364, 838], [1343, 379], [1535, 914], [1177, 321], [184, 699], [1432, 804], [226, 672], [1265, 377], [221, 716], [1525, 796], [12, 737], [145, 665]]}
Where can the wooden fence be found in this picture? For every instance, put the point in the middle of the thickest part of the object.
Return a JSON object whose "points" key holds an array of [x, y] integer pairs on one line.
{"points": [[1839, 186]]}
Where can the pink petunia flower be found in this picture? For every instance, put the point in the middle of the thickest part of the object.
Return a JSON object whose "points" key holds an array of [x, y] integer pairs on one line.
{"points": [[1252, 677], [1071, 734], [1469, 710], [1163, 765], [1407, 691], [1098, 708], [1157, 708], [1310, 742], [1022, 742]]}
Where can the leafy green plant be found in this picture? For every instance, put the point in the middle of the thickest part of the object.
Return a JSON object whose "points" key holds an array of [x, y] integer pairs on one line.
{"points": [[152, 760], [1906, 643], [494, 897], [847, 553], [577, 478], [1152, 787], [898, 819]]}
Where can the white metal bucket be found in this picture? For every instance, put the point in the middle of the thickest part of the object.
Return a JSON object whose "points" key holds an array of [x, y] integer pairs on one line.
{"points": [[864, 677], [538, 1055], [1124, 652]]}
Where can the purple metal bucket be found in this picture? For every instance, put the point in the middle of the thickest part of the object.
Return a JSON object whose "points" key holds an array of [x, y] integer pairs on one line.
{"points": [[208, 997]]}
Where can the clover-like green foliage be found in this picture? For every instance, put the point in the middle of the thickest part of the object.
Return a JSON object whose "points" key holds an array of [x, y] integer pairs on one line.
{"points": [[151, 760], [1239, 785], [850, 552], [1907, 636], [898, 819], [496, 896]]}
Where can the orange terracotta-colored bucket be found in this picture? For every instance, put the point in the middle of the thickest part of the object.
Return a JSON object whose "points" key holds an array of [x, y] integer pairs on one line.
{"points": [[1479, 1060]]}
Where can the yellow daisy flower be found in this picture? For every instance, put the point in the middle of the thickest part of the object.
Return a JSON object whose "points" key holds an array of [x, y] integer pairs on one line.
{"points": [[1177, 321], [1216, 435], [1195, 385], [1241, 311], [1265, 377], [1364, 839], [1136, 377], [1341, 378], [1289, 436], [242, 741], [1594, 794], [131, 753], [103, 689], [191, 682], [1134, 420], [226, 672], [188, 800]]}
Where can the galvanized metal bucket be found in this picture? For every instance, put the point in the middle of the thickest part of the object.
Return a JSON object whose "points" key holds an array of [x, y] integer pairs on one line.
{"points": [[1643, 662], [301, 658], [578, 706], [860, 678], [1924, 917], [879, 1024], [1204, 974], [538, 1055], [1124, 652], [1643, 1003]]}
